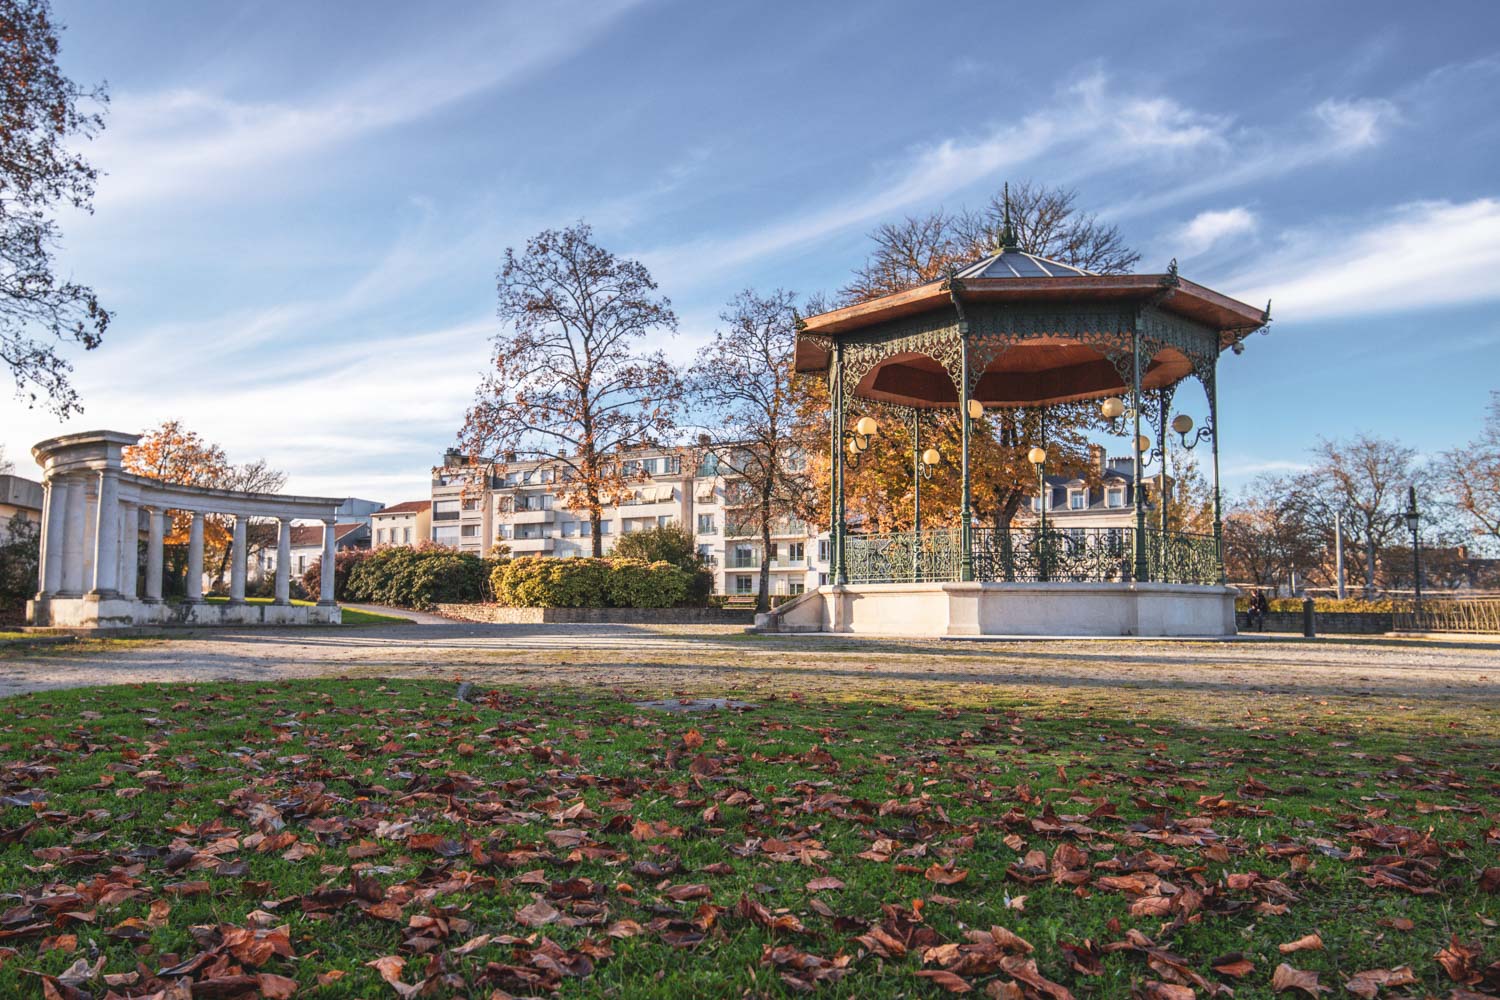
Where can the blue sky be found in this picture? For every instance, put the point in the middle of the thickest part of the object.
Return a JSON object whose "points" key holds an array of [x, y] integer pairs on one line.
{"points": [[304, 204]]}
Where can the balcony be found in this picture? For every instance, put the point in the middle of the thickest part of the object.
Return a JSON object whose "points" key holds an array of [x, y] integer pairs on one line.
{"points": [[531, 517], [531, 546]]}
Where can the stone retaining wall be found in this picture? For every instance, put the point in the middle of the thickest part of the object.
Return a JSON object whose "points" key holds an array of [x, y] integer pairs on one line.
{"points": [[1324, 622], [499, 614]]}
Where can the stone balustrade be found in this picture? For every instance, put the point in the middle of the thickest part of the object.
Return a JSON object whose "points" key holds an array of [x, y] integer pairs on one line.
{"points": [[91, 526]]}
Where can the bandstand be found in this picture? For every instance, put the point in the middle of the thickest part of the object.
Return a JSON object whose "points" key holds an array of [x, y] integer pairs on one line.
{"points": [[1017, 330]]}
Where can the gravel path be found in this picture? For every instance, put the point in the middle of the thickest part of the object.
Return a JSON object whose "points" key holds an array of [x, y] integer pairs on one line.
{"points": [[1244, 677]]}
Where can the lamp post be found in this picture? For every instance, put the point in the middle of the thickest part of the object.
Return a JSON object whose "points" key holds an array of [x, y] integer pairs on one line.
{"points": [[923, 463], [1413, 521], [1038, 458]]}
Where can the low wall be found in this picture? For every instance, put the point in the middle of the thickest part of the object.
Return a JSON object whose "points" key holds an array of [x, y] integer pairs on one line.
{"points": [[1324, 622], [991, 609], [119, 612], [501, 615]]}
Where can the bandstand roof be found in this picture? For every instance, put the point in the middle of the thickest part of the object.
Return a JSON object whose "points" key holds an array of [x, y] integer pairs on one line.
{"points": [[1039, 331]]}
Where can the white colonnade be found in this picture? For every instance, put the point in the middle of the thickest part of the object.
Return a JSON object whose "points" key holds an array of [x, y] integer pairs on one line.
{"points": [[91, 563]]}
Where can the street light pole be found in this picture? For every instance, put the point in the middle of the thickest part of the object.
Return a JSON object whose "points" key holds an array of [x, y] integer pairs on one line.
{"points": [[1413, 521], [1038, 457]]}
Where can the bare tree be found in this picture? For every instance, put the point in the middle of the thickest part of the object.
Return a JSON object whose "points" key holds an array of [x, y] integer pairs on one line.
{"points": [[569, 384], [6, 465], [42, 115], [1364, 480], [745, 386], [1470, 476], [1045, 220], [1265, 541]]}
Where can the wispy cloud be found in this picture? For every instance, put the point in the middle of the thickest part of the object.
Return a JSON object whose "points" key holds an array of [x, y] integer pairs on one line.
{"points": [[191, 141], [1207, 229], [1422, 254], [1093, 113]]}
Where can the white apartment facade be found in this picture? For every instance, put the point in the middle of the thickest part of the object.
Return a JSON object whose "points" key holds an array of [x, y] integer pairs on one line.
{"points": [[516, 503]]}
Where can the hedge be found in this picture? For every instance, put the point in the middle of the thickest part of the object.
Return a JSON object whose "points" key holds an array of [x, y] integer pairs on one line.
{"points": [[544, 582], [409, 577], [1323, 604]]}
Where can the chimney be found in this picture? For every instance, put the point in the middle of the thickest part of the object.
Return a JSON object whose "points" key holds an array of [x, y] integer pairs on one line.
{"points": [[1097, 459], [453, 458]]}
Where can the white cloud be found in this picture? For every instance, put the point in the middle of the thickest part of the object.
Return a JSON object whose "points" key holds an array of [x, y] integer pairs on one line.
{"points": [[1090, 115], [1206, 229], [1422, 254], [188, 140]]}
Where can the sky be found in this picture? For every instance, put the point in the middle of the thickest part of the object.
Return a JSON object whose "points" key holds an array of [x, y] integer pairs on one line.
{"points": [[303, 206]]}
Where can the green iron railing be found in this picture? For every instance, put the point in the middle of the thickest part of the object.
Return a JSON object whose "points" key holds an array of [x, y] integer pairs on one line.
{"points": [[1026, 555], [1474, 615]]}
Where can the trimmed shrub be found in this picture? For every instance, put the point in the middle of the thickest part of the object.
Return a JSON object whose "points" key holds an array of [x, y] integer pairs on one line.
{"points": [[417, 577], [633, 583], [541, 582]]}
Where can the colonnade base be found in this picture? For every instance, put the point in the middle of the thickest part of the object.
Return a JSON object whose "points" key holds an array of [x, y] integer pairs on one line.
{"points": [[950, 610], [90, 612]]}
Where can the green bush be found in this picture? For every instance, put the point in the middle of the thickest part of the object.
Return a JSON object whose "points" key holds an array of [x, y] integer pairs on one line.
{"points": [[418, 577], [1321, 604], [635, 584], [541, 582], [20, 551]]}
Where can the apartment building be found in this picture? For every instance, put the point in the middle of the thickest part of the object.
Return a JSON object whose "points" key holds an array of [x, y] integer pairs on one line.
{"points": [[517, 503], [405, 523], [1074, 502]]}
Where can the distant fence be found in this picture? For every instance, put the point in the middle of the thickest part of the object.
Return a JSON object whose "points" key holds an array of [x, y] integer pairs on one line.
{"points": [[1474, 615]]}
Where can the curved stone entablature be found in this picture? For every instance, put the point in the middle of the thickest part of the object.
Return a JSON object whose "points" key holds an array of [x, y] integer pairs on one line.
{"points": [[91, 525]]}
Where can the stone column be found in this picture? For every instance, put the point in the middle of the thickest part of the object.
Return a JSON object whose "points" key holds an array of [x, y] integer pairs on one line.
{"points": [[107, 537], [156, 532], [56, 532], [284, 561], [130, 548], [195, 560], [74, 527], [237, 559], [326, 571]]}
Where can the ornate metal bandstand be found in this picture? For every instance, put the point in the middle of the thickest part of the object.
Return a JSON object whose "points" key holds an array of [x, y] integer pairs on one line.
{"points": [[1017, 330]]}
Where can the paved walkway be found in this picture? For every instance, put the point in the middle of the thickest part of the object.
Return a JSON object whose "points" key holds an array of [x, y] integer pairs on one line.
{"points": [[1248, 678]]}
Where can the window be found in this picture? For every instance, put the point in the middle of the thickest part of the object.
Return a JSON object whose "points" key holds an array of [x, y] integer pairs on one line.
{"points": [[822, 579], [706, 524], [603, 528], [744, 555], [302, 564], [471, 503], [405, 535], [445, 534], [380, 536], [503, 531], [706, 555], [775, 550], [823, 552], [744, 584], [469, 531], [570, 529], [795, 552], [1114, 496], [445, 510], [665, 520], [1077, 500], [796, 587]]}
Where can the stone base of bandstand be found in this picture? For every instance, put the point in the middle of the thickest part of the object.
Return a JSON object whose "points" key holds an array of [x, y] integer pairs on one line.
{"points": [[120, 612], [957, 610]]}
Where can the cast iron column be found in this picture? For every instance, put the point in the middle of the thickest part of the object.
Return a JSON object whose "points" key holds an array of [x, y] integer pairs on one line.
{"points": [[1135, 447], [916, 494], [1213, 419], [965, 516], [836, 386], [1161, 500]]}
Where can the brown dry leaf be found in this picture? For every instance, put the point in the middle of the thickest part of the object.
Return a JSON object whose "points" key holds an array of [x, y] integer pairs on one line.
{"points": [[1460, 962], [1009, 941], [1308, 942], [1369, 983], [273, 987], [826, 882], [389, 967], [537, 914], [947, 980], [1287, 978], [1235, 965], [1153, 990], [940, 875], [692, 739]]}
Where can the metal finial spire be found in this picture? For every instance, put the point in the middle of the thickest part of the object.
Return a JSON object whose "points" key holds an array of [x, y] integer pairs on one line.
{"points": [[1008, 242]]}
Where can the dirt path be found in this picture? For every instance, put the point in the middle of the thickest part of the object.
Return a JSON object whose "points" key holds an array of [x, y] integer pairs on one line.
{"points": [[1434, 678]]}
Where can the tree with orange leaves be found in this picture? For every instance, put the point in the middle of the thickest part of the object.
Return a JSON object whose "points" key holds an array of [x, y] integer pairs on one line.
{"points": [[174, 454]]}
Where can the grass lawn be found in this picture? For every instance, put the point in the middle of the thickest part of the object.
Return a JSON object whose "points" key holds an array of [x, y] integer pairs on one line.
{"points": [[319, 837], [349, 617]]}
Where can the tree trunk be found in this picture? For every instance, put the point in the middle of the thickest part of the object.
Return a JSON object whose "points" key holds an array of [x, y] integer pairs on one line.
{"points": [[763, 599], [597, 541]]}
